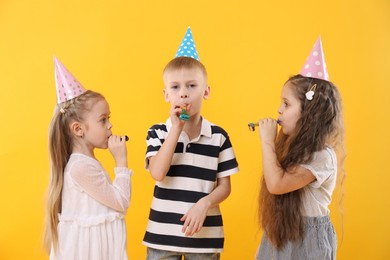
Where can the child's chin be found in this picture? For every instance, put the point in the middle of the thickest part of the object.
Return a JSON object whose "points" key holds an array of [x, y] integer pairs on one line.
{"points": [[104, 146], [285, 131]]}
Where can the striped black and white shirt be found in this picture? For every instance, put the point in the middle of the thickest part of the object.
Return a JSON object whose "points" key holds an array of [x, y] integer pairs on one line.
{"points": [[195, 168]]}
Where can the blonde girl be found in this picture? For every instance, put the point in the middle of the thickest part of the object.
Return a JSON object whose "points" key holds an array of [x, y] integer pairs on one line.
{"points": [[85, 210]]}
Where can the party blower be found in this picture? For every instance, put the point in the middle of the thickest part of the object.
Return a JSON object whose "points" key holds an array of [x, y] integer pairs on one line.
{"points": [[253, 125], [126, 138], [184, 115]]}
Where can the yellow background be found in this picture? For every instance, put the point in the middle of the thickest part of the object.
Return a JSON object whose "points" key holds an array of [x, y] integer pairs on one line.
{"points": [[250, 48]]}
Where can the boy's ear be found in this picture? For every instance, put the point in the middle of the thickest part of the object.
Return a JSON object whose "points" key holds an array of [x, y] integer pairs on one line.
{"points": [[166, 96], [206, 93], [76, 129]]}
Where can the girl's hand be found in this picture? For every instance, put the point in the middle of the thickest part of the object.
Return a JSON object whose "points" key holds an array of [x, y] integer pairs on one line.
{"points": [[117, 147], [194, 218], [268, 129]]}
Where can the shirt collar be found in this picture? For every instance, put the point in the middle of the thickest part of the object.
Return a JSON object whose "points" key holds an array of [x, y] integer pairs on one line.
{"points": [[205, 128]]}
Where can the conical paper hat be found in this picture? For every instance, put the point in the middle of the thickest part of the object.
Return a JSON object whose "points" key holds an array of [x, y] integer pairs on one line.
{"points": [[315, 66], [67, 85], [187, 47]]}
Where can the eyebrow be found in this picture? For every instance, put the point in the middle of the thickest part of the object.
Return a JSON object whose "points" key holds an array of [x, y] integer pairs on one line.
{"points": [[192, 81], [104, 115], [187, 82]]}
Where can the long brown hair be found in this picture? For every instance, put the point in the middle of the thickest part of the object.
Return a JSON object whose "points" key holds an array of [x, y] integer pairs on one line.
{"points": [[60, 147], [321, 124]]}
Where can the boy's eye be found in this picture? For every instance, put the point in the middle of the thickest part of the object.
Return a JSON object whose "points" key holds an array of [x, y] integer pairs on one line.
{"points": [[174, 87], [192, 85]]}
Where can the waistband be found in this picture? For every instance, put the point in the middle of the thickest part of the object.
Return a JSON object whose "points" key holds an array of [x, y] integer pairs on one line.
{"points": [[315, 221]]}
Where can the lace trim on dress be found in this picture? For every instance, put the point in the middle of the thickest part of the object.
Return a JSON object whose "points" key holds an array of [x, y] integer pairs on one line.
{"points": [[92, 221]]}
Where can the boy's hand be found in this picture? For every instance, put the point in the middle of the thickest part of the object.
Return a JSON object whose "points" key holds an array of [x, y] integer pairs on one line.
{"points": [[194, 218], [117, 147], [175, 115]]}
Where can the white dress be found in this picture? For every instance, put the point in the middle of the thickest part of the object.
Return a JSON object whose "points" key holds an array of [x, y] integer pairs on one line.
{"points": [[92, 224]]}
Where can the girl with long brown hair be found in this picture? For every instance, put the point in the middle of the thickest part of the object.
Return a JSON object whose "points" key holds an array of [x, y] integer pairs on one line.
{"points": [[300, 167]]}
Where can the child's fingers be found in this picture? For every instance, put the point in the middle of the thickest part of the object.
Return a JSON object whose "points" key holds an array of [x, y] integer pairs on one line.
{"points": [[111, 140], [190, 229], [176, 111], [188, 226], [185, 224], [124, 138], [267, 121], [194, 228], [118, 139]]}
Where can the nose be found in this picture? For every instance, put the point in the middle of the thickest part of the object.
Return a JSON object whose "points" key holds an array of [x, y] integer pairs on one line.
{"points": [[184, 93], [280, 109], [109, 126]]}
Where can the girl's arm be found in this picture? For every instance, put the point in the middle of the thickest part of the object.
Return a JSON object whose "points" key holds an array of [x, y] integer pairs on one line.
{"points": [[194, 218], [278, 180], [161, 162], [96, 183]]}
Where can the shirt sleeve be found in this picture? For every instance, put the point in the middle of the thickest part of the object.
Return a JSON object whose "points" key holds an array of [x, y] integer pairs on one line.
{"points": [[323, 165], [227, 162], [97, 184], [154, 143]]}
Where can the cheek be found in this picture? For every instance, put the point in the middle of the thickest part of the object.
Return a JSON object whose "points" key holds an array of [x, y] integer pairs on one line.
{"points": [[293, 122]]}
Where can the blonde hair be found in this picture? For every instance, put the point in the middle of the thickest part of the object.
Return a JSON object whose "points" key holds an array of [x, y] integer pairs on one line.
{"points": [[60, 147], [186, 63]]}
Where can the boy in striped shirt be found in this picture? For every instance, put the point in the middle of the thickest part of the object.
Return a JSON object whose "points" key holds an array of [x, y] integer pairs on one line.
{"points": [[191, 162]]}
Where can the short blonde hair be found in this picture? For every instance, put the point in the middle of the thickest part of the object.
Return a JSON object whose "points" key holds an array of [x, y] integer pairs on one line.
{"points": [[186, 63]]}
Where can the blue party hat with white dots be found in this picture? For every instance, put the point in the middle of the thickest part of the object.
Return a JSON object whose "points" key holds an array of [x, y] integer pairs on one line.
{"points": [[187, 47]]}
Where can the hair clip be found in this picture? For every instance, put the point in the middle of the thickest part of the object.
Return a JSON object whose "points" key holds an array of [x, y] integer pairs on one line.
{"points": [[184, 115], [309, 95], [252, 126], [62, 110]]}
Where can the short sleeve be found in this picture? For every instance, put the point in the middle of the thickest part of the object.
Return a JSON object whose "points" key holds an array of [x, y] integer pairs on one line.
{"points": [[227, 162], [154, 141], [96, 183], [322, 166]]}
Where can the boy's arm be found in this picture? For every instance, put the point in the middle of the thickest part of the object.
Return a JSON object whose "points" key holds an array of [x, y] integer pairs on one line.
{"points": [[194, 218], [161, 162]]}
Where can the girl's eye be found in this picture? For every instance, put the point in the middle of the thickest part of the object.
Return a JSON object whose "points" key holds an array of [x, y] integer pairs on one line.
{"points": [[174, 87], [192, 85], [105, 119]]}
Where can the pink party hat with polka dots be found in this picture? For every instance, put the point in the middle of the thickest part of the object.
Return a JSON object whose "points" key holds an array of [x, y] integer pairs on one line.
{"points": [[68, 87], [315, 66]]}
